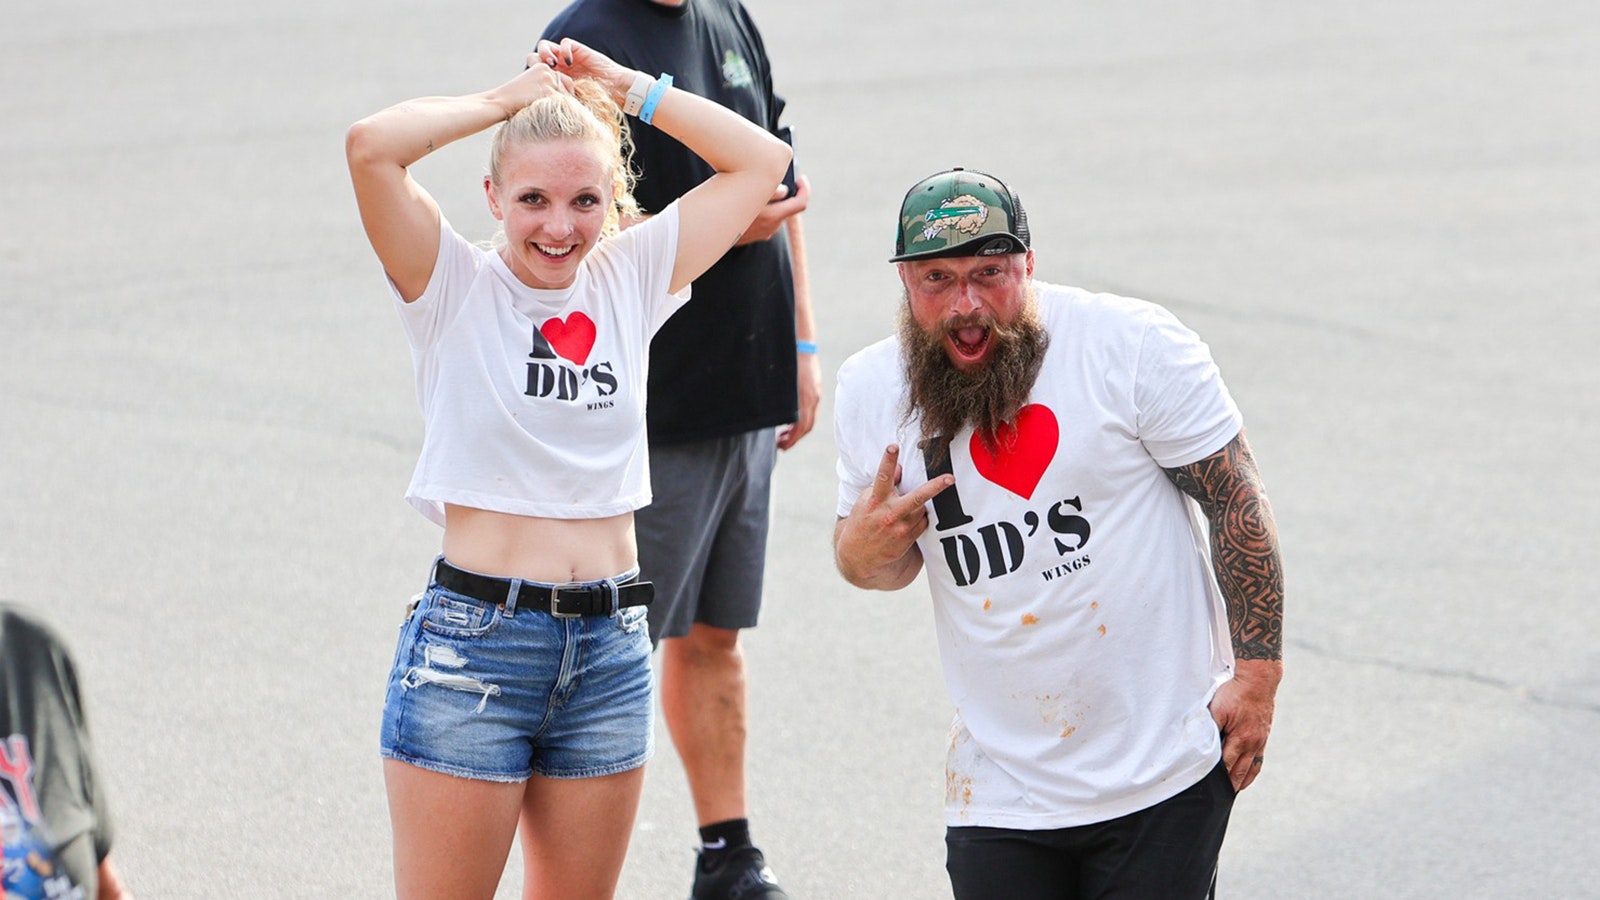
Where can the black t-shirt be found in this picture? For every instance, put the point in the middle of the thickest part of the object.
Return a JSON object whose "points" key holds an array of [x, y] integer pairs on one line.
{"points": [[53, 825], [725, 363]]}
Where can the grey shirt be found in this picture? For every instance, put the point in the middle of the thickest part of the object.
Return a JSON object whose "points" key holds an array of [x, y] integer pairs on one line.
{"points": [[54, 830]]}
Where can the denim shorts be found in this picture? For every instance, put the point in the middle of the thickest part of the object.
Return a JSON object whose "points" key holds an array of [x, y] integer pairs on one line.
{"points": [[482, 691]]}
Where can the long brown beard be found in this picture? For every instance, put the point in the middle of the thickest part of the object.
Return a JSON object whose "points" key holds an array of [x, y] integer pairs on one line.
{"points": [[948, 399]]}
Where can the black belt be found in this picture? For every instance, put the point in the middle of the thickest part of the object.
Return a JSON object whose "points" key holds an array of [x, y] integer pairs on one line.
{"points": [[570, 600]]}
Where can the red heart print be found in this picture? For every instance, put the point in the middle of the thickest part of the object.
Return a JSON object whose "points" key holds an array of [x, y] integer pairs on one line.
{"points": [[1025, 450], [573, 339]]}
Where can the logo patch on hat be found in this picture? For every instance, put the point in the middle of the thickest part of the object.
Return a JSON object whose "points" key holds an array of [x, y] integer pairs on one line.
{"points": [[965, 214], [994, 247]]}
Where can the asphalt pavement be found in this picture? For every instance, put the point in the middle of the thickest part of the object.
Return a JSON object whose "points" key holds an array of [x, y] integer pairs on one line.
{"points": [[1383, 216]]}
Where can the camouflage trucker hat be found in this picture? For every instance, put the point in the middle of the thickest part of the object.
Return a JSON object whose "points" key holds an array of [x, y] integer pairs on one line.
{"points": [[960, 212]]}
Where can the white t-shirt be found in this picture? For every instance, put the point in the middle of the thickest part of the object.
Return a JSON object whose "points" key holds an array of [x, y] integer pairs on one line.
{"points": [[1080, 628], [533, 400]]}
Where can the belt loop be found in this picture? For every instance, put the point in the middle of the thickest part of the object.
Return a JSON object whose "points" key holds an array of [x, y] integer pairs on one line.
{"points": [[511, 597], [616, 596]]}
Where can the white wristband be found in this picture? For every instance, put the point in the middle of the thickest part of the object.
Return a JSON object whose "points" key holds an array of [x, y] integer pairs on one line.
{"points": [[637, 93], [657, 91]]}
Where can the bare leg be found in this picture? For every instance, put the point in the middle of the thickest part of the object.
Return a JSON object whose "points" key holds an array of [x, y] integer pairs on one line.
{"points": [[451, 835], [575, 834], [703, 700]]}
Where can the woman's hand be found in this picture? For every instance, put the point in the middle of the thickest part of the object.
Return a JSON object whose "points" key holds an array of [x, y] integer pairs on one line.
{"points": [[536, 81], [574, 60]]}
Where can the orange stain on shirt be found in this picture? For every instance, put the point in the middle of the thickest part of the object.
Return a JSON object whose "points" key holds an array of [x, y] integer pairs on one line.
{"points": [[1030, 619], [958, 787]]}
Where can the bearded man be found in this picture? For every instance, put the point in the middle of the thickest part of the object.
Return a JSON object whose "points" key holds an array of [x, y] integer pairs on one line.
{"points": [[1108, 594]]}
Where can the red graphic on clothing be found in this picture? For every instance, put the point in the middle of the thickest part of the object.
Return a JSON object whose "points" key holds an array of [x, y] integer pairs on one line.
{"points": [[16, 767], [573, 339], [1024, 451]]}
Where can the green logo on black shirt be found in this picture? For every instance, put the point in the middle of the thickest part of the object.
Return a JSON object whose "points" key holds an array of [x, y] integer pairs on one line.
{"points": [[735, 71]]}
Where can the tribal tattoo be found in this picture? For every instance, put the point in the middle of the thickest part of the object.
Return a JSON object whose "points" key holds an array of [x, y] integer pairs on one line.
{"points": [[1244, 545]]}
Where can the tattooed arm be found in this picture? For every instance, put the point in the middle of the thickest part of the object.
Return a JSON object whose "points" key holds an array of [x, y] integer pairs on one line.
{"points": [[1244, 554]]}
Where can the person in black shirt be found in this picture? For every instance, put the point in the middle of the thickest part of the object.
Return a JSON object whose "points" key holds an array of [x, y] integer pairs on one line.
{"points": [[732, 376]]}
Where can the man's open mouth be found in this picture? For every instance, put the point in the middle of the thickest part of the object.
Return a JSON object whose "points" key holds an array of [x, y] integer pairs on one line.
{"points": [[970, 341]]}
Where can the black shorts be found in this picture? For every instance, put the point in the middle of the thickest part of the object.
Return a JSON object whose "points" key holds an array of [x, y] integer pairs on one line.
{"points": [[1166, 852], [703, 539]]}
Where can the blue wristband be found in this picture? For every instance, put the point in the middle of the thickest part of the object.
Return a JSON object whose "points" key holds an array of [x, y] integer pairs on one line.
{"points": [[657, 91], [807, 347]]}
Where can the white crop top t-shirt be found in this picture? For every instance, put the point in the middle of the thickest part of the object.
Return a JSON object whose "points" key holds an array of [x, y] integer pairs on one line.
{"points": [[533, 400]]}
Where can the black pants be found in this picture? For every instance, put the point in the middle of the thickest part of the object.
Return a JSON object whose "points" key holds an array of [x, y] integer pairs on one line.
{"points": [[1166, 852]]}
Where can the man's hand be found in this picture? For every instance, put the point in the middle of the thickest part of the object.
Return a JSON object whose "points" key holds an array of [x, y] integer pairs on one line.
{"points": [[112, 886], [1242, 709], [809, 374], [777, 211], [876, 545]]}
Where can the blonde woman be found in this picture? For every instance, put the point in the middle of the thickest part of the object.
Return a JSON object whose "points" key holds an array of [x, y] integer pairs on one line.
{"points": [[520, 694]]}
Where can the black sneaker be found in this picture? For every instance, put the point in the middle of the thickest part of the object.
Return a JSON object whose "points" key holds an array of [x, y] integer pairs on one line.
{"points": [[741, 874]]}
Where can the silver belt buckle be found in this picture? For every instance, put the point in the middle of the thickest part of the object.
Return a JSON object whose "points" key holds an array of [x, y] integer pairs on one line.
{"points": [[555, 600]]}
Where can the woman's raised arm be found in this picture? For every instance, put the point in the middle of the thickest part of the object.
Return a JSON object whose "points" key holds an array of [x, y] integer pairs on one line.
{"points": [[401, 220], [749, 162]]}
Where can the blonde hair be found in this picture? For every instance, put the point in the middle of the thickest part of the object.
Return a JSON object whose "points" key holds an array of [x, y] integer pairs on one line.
{"points": [[587, 114]]}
